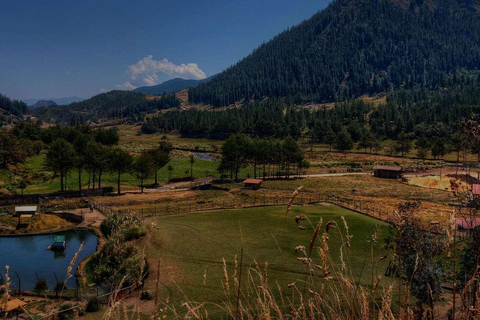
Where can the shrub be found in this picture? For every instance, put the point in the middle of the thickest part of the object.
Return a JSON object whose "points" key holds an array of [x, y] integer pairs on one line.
{"points": [[66, 315], [60, 286], [93, 305], [133, 233], [41, 285]]}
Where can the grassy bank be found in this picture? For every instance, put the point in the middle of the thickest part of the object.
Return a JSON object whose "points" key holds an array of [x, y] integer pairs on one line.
{"points": [[193, 245]]}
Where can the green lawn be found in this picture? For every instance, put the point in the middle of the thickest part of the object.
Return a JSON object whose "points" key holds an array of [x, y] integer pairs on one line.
{"points": [[40, 181], [189, 244]]}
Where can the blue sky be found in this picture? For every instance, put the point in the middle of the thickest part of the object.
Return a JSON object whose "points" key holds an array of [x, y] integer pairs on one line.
{"points": [[61, 48]]}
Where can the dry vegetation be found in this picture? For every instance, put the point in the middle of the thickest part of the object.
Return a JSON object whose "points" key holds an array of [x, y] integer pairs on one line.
{"points": [[36, 224]]}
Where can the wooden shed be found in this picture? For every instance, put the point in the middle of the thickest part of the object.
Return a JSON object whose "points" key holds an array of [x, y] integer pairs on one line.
{"points": [[253, 184], [467, 223], [476, 190], [25, 210], [387, 172]]}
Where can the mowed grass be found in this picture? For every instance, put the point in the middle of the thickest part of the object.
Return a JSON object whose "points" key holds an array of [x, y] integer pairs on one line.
{"points": [[42, 181], [192, 245], [35, 165]]}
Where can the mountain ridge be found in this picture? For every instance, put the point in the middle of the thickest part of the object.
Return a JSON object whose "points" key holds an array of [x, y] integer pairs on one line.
{"points": [[58, 101], [170, 86], [353, 48]]}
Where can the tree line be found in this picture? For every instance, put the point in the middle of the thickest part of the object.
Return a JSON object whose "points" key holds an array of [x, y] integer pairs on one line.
{"points": [[80, 149], [426, 120], [268, 157], [97, 159]]}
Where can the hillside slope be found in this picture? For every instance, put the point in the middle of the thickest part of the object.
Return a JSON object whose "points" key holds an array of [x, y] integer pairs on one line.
{"points": [[114, 104], [11, 110], [354, 48]]}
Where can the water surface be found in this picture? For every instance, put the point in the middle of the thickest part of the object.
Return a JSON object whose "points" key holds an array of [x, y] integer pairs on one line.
{"points": [[28, 257]]}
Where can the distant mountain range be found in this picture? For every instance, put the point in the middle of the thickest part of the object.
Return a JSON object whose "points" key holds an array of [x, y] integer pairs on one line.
{"points": [[171, 86], [58, 101], [42, 103], [354, 48]]}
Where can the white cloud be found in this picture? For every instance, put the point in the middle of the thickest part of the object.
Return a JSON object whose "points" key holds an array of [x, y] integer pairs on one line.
{"points": [[126, 86], [148, 69], [103, 90]]}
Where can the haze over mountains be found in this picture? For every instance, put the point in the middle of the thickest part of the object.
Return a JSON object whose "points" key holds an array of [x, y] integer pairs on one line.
{"points": [[171, 86]]}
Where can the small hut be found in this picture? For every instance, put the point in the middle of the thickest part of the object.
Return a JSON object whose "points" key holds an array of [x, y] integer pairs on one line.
{"points": [[253, 184], [387, 172], [25, 211], [464, 224], [476, 191]]}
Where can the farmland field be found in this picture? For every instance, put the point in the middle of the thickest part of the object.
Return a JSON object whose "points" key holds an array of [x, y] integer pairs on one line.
{"points": [[193, 245]]}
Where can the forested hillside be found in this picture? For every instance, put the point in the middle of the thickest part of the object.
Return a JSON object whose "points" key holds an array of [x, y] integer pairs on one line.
{"points": [[111, 105], [432, 118], [354, 48], [10, 110]]}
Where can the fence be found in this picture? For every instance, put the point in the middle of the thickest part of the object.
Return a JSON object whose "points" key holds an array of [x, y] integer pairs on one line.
{"points": [[24, 284], [37, 198], [363, 207]]}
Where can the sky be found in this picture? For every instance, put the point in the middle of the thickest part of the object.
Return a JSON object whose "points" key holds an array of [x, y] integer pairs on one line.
{"points": [[64, 48]]}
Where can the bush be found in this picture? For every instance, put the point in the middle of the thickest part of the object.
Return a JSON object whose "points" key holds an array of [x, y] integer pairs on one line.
{"points": [[119, 259], [60, 286], [93, 305], [66, 315], [41, 285], [133, 233]]}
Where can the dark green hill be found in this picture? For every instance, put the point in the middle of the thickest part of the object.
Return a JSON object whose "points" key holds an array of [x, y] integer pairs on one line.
{"points": [[354, 48], [43, 103], [11, 110], [115, 104]]}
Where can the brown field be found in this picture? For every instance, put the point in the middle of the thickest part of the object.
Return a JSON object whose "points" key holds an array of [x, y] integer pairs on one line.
{"points": [[37, 224], [132, 140], [378, 196]]}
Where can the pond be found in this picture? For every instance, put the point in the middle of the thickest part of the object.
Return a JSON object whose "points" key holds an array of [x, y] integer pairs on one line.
{"points": [[205, 157], [28, 257]]}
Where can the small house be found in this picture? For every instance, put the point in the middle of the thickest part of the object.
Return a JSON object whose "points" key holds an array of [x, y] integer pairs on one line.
{"points": [[467, 223], [476, 190], [253, 184], [25, 211], [387, 172]]}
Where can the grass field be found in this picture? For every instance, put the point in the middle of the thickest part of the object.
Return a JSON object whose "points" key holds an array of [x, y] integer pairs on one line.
{"points": [[192, 245], [41, 181]]}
